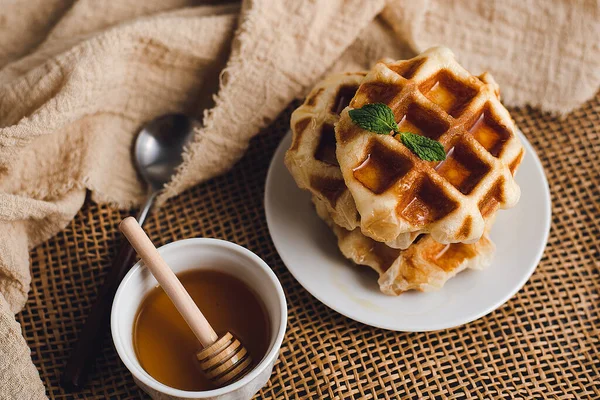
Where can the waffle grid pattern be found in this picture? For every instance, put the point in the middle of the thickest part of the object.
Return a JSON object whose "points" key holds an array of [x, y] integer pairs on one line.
{"points": [[434, 96], [425, 265], [544, 343], [312, 160], [311, 157]]}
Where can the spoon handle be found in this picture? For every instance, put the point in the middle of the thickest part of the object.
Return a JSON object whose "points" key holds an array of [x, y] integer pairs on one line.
{"points": [[168, 281], [91, 337]]}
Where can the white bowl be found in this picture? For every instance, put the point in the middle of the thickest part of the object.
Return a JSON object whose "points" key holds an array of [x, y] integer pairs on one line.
{"points": [[192, 254]]}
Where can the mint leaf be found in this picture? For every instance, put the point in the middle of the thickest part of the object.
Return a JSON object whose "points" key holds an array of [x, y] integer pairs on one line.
{"points": [[379, 118], [376, 117], [425, 148]]}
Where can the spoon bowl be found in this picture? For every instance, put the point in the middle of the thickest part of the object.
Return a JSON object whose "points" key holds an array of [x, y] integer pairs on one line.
{"points": [[158, 149]]}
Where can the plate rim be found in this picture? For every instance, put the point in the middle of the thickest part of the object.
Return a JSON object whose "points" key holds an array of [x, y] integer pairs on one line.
{"points": [[431, 327]]}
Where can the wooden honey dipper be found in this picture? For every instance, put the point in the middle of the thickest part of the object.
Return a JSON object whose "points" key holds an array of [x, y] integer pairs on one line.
{"points": [[223, 360]]}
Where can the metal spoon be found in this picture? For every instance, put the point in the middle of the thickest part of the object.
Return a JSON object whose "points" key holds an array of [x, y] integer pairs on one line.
{"points": [[157, 152]]}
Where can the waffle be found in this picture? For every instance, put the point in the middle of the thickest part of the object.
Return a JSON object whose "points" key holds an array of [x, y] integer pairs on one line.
{"points": [[311, 157], [396, 192], [425, 266]]}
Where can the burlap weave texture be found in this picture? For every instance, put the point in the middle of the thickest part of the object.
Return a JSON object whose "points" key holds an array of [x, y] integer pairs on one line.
{"points": [[542, 344]]}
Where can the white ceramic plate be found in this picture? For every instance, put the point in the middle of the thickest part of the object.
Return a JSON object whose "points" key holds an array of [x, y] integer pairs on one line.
{"points": [[309, 250]]}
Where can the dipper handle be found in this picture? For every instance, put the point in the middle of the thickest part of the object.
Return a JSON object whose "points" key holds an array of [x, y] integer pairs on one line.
{"points": [[168, 281]]}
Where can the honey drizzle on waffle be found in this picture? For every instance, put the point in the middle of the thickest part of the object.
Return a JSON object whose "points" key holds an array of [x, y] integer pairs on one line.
{"points": [[394, 190]]}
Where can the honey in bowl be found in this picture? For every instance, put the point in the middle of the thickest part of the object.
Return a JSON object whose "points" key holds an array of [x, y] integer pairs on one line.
{"points": [[166, 347]]}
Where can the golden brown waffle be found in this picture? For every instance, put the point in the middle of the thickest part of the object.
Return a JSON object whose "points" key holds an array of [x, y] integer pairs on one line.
{"points": [[311, 157], [394, 190], [425, 266]]}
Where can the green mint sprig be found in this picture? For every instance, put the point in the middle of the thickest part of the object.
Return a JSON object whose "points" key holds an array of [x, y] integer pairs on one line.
{"points": [[376, 117], [425, 148], [379, 118]]}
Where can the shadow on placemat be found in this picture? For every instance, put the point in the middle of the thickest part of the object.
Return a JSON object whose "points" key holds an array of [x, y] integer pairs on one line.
{"points": [[542, 343]]}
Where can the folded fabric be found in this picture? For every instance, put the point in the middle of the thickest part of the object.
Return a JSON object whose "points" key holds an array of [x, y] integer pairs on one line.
{"points": [[78, 78]]}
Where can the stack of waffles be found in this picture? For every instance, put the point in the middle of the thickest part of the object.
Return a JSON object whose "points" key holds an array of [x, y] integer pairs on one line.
{"points": [[416, 222]]}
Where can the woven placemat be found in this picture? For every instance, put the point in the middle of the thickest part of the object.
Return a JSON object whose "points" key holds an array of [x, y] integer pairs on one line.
{"points": [[543, 343]]}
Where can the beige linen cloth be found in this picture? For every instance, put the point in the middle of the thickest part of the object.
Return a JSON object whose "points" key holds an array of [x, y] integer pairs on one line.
{"points": [[78, 78]]}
